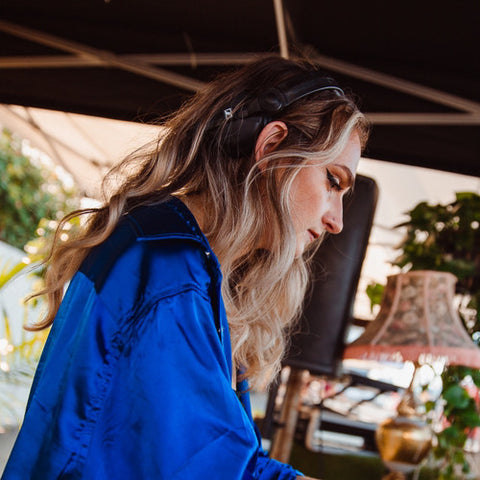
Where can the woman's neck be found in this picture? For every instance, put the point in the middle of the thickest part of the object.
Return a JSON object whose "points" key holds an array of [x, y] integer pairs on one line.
{"points": [[196, 204]]}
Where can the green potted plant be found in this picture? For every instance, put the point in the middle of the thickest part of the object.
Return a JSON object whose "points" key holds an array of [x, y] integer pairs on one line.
{"points": [[447, 238]]}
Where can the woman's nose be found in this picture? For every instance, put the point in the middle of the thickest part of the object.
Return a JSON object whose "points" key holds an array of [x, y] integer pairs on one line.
{"points": [[333, 219]]}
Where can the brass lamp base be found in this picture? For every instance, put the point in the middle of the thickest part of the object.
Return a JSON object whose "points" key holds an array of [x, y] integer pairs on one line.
{"points": [[403, 442], [394, 476]]}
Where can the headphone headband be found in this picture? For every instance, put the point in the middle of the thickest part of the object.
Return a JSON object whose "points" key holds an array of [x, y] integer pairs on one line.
{"points": [[244, 124], [278, 98]]}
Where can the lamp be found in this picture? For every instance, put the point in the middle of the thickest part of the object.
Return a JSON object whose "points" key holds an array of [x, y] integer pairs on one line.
{"points": [[417, 320]]}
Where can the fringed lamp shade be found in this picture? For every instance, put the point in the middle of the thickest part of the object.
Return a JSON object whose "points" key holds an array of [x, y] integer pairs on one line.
{"points": [[417, 318]]}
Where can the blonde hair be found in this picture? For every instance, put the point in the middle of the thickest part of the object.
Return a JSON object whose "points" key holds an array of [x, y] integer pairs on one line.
{"points": [[263, 284]]}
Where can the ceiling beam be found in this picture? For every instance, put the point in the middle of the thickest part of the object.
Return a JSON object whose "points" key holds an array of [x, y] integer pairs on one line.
{"points": [[184, 59], [281, 30], [139, 64], [166, 59], [105, 57], [49, 61], [382, 118], [395, 83]]}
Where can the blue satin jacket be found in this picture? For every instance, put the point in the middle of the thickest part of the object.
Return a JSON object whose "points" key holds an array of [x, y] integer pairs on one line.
{"points": [[135, 378]]}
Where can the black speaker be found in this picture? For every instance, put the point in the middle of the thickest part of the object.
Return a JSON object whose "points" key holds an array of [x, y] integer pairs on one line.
{"points": [[318, 346]]}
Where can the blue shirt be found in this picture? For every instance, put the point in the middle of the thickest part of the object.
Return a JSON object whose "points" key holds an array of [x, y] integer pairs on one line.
{"points": [[135, 378]]}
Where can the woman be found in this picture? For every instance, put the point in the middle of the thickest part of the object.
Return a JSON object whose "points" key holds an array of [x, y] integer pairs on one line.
{"points": [[142, 376]]}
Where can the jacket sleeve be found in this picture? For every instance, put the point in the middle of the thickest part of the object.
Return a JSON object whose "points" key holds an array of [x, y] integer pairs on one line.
{"points": [[269, 469], [170, 411]]}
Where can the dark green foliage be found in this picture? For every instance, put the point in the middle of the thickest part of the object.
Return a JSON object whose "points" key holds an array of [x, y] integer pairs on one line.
{"points": [[461, 411], [447, 238], [375, 293], [27, 194]]}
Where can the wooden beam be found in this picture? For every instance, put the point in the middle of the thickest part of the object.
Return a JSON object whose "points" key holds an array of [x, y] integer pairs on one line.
{"points": [[381, 118], [103, 56], [395, 83]]}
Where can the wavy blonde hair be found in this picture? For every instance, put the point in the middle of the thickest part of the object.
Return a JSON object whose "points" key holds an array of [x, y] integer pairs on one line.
{"points": [[263, 285]]}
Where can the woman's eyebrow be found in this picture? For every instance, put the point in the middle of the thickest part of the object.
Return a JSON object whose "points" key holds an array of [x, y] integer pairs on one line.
{"points": [[350, 178]]}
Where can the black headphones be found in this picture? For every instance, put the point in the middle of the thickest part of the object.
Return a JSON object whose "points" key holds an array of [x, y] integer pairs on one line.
{"points": [[242, 126]]}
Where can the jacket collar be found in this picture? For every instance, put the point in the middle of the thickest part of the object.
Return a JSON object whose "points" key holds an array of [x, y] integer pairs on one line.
{"points": [[168, 220]]}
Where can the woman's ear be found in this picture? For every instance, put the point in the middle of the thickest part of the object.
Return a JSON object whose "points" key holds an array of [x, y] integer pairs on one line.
{"points": [[269, 138]]}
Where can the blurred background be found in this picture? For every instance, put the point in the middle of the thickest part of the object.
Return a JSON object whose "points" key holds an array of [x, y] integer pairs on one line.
{"points": [[83, 83]]}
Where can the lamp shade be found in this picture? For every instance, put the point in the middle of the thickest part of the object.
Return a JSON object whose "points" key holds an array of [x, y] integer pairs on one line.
{"points": [[417, 317]]}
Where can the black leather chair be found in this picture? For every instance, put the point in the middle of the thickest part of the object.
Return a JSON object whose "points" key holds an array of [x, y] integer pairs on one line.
{"points": [[318, 346]]}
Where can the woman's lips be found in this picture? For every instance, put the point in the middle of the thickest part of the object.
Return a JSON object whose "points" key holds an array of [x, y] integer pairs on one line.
{"points": [[313, 235]]}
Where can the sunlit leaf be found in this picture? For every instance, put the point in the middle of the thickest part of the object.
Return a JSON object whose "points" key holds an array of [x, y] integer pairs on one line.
{"points": [[456, 396]]}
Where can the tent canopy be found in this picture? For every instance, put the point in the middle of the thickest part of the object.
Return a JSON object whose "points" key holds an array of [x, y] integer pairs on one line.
{"points": [[414, 65]]}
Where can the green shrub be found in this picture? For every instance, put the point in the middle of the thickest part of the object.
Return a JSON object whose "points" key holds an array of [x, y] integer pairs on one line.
{"points": [[28, 193]]}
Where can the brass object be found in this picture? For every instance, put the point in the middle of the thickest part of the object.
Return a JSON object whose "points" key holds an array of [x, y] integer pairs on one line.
{"points": [[394, 476], [405, 440], [417, 322]]}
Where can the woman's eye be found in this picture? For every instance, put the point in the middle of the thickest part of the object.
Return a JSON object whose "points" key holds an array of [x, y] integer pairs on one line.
{"points": [[334, 182]]}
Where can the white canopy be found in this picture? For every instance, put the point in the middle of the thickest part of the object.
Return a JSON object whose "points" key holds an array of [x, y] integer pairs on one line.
{"points": [[87, 146]]}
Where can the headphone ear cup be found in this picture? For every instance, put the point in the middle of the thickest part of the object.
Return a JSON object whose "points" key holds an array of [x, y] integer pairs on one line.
{"points": [[243, 125], [241, 134]]}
